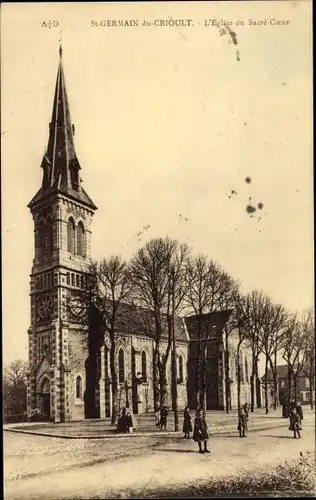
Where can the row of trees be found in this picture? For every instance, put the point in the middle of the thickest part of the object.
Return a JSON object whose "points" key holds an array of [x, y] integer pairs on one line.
{"points": [[164, 279]]}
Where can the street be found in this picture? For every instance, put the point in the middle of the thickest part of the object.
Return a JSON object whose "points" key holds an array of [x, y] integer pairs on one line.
{"points": [[118, 468]]}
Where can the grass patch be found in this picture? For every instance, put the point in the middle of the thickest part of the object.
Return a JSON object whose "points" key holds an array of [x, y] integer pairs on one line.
{"points": [[296, 478]]}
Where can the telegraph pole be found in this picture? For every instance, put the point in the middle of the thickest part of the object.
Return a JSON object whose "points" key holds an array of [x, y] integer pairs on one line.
{"points": [[174, 359]]}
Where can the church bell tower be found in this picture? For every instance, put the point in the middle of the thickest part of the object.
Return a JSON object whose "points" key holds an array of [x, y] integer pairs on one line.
{"points": [[62, 214]]}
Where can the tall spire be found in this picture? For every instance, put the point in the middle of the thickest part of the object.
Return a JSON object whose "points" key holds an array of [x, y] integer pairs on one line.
{"points": [[60, 164]]}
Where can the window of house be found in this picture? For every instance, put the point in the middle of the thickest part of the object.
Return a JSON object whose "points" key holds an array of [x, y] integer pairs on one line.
{"points": [[80, 240], [121, 366], [180, 369], [307, 383], [71, 235], [78, 387], [144, 366]]}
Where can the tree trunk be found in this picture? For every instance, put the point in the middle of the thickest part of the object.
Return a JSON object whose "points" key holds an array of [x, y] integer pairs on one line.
{"points": [[156, 379], [266, 395], [311, 388], [114, 384], [238, 379], [162, 384], [295, 386], [275, 382], [289, 385], [203, 378], [227, 375], [253, 384]]}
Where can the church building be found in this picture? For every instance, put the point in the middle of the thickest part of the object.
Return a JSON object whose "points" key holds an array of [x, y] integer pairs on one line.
{"points": [[60, 384]]}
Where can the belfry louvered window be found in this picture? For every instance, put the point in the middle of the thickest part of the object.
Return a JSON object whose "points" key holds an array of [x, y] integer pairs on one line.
{"points": [[71, 235], [80, 240]]}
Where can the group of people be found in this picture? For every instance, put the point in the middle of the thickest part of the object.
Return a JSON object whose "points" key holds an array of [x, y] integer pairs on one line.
{"points": [[126, 421], [161, 418], [200, 433]]}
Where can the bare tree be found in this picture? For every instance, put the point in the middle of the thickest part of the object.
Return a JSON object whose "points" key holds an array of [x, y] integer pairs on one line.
{"points": [[256, 311], [227, 300], [103, 312], [309, 347], [156, 275], [271, 335], [14, 389], [294, 353], [206, 285], [241, 322]]}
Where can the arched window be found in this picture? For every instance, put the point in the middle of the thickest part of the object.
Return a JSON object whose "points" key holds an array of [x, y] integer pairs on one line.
{"points": [[72, 279], [77, 280], [144, 367], [82, 281], [68, 278], [246, 370], [78, 387], [181, 369], [80, 240], [121, 366], [71, 235]]}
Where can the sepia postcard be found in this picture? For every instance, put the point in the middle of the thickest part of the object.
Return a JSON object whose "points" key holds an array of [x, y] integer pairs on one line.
{"points": [[158, 249]]}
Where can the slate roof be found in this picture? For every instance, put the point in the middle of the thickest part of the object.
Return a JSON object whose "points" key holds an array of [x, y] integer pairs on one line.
{"points": [[212, 324], [282, 372], [139, 321]]}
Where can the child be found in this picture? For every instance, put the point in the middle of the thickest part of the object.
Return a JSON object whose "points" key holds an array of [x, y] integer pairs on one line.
{"points": [[163, 418], [200, 434], [295, 423], [187, 426], [242, 423], [157, 414]]}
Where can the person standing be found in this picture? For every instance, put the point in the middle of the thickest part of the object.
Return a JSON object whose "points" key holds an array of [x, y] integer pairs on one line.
{"points": [[242, 423], [200, 434], [157, 415], [246, 410], [299, 410], [163, 418], [295, 424], [187, 425]]}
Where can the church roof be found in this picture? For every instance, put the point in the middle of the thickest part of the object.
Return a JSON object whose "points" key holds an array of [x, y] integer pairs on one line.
{"points": [[139, 321], [211, 324], [60, 163]]}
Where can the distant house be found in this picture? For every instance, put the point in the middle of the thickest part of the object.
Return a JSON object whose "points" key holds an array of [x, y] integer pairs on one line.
{"points": [[303, 392]]}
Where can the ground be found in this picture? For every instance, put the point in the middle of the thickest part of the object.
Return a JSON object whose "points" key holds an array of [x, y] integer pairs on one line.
{"points": [[38, 466]]}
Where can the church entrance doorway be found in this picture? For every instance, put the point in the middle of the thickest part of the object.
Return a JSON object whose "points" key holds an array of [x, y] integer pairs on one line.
{"points": [[45, 399]]}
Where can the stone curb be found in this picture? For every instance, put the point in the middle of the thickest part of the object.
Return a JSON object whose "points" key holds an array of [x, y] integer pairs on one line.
{"points": [[214, 430]]}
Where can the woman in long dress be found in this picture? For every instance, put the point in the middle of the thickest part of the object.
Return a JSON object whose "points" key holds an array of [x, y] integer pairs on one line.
{"points": [[187, 425]]}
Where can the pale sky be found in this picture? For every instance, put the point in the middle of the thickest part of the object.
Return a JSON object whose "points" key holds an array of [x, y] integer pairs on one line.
{"points": [[168, 122]]}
